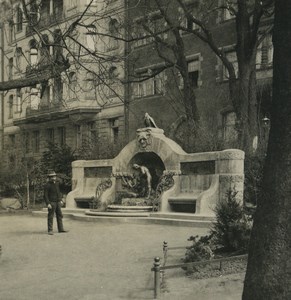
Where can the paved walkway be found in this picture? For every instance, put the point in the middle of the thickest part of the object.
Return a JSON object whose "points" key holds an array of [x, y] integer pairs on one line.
{"points": [[92, 261]]}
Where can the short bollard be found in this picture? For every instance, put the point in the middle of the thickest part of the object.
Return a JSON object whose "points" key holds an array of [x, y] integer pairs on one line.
{"points": [[165, 247], [156, 269]]}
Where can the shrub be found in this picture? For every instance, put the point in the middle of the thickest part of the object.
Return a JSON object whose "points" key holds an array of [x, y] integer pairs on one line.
{"points": [[229, 233], [59, 159], [232, 228], [199, 250]]}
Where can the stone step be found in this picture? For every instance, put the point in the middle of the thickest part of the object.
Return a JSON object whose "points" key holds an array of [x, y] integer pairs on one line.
{"points": [[182, 216], [114, 207], [117, 213], [142, 218]]}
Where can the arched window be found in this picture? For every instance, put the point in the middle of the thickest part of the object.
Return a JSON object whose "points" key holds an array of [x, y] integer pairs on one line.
{"points": [[114, 33]]}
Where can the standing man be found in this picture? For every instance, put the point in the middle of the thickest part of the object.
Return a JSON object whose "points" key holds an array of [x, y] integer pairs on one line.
{"points": [[53, 200]]}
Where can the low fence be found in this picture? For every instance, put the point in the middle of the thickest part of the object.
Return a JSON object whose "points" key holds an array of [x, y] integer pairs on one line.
{"points": [[159, 268]]}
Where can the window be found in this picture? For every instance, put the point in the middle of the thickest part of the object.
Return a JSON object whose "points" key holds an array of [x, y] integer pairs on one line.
{"points": [[35, 141], [18, 107], [10, 107], [57, 48], [193, 72], [11, 31], [34, 7], [50, 133], [44, 94], [34, 98], [114, 33], [10, 68], [72, 85], [265, 50], [113, 83], [91, 37], [156, 29], [229, 7], [18, 55], [78, 129], [61, 136], [187, 21], [229, 122], [45, 50], [114, 130], [26, 142], [33, 55], [92, 133], [19, 19], [154, 85], [58, 89], [11, 138], [90, 85], [57, 8]]}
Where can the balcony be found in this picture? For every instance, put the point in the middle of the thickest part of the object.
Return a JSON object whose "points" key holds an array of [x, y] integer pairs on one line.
{"points": [[45, 113], [46, 21]]}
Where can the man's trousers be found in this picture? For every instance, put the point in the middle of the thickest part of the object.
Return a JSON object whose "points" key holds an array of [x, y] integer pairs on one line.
{"points": [[56, 209]]}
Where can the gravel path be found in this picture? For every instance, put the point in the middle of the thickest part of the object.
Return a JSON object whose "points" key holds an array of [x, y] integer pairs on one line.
{"points": [[91, 261]]}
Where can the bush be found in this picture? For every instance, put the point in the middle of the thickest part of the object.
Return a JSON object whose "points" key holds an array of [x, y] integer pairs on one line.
{"points": [[200, 249], [229, 233], [232, 228], [59, 159]]}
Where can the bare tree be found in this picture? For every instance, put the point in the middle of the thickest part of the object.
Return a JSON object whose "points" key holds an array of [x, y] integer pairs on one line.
{"points": [[249, 31]]}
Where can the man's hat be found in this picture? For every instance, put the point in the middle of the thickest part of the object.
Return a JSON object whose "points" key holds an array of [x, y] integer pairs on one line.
{"points": [[51, 174]]}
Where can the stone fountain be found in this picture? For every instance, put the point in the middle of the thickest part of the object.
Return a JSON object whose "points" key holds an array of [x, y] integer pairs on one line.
{"points": [[154, 173]]}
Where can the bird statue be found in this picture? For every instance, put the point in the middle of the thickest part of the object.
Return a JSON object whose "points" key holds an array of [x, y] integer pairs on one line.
{"points": [[149, 121]]}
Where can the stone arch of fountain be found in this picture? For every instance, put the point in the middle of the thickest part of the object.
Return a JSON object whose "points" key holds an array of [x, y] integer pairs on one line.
{"points": [[152, 162], [181, 182]]}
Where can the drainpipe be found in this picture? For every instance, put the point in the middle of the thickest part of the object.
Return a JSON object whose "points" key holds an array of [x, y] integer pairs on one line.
{"points": [[1, 80]]}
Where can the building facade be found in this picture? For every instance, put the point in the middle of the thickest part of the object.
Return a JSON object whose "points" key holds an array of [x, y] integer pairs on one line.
{"points": [[161, 95], [73, 106], [116, 74]]}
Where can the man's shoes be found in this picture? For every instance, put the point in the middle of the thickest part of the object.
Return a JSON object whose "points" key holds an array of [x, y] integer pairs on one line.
{"points": [[50, 233], [63, 231]]}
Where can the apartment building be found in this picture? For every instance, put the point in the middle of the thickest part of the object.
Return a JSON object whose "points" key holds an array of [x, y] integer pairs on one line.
{"points": [[80, 102], [161, 95]]}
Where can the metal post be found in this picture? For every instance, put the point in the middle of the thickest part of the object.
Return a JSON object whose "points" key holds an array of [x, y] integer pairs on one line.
{"points": [[165, 250], [157, 289]]}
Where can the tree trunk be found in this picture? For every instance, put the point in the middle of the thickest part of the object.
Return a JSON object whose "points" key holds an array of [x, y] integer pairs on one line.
{"points": [[246, 102], [269, 265]]}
